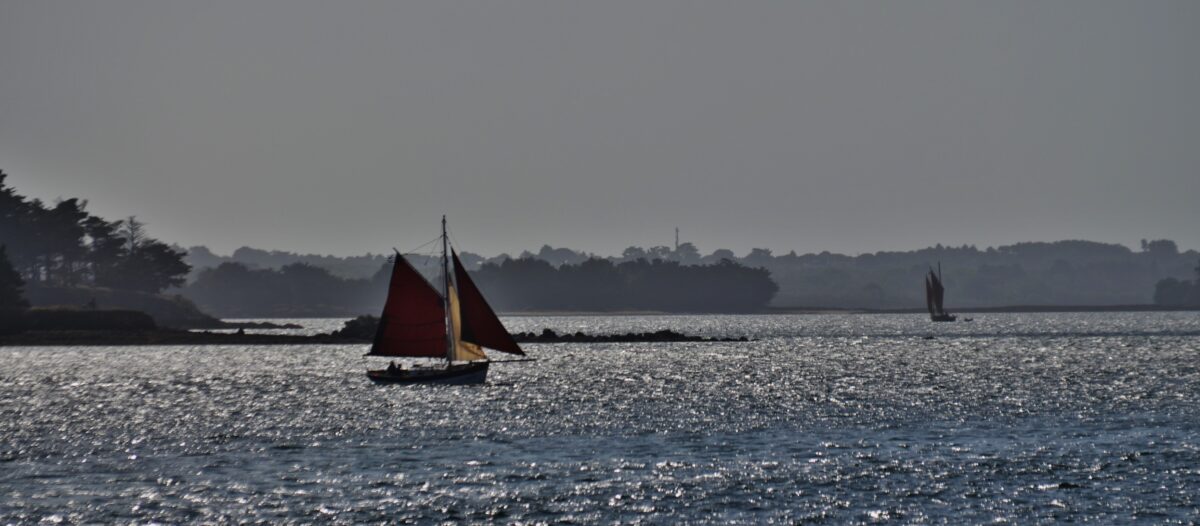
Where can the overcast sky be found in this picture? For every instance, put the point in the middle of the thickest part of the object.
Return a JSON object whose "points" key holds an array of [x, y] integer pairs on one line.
{"points": [[347, 127]]}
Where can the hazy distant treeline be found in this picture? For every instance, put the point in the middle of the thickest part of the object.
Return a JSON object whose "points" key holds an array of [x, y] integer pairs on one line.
{"points": [[601, 285], [61, 247], [298, 289], [1172, 292], [62, 253], [1055, 273], [364, 266], [233, 290]]}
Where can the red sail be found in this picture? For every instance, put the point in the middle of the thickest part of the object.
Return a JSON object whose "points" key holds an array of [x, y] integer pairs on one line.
{"points": [[479, 323], [414, 318]]}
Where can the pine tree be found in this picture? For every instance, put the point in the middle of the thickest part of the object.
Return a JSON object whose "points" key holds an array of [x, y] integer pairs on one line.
{"points": [[11, 297], [12, 302]]}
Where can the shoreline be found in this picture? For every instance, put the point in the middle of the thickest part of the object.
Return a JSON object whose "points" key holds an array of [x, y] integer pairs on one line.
{"points": [[179, 337], [765, 312]]}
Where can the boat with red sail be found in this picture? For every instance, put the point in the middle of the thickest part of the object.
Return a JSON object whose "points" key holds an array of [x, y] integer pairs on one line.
{"points": [[454, 324]]}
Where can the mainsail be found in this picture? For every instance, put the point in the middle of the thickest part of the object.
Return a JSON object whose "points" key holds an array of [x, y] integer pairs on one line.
{"points": [[480, 325], [413, 322]]}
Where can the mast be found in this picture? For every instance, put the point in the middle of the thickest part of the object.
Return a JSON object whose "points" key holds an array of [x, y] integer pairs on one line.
{"points": [[446, 297]]}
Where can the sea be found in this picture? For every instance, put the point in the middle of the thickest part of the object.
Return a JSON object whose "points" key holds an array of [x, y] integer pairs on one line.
{"points": [[826, 419]]}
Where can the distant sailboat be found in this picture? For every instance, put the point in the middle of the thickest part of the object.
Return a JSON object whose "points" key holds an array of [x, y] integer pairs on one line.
{"points": [[934, 294], [457, 324]]}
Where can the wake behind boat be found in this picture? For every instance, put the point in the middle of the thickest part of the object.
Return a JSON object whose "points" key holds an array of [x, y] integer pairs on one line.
{"points": [[455, 324]]}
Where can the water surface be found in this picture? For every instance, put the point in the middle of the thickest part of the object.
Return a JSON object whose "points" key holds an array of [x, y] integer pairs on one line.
{"points": [[835, 418]]}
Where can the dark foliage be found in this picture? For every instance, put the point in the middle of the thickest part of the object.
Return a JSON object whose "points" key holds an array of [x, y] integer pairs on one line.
{"points": [[88, 320], [234, 290], [1056, 273], [64, 246], [1068, 272], [296, 290], [350, 267], [1173, 292], [1030, 274], [601, 285], [12, 299], [344, 267]]}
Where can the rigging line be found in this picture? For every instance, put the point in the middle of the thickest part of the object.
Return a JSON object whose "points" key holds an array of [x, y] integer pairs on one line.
{"points": [[423, 255], [415, 250]]}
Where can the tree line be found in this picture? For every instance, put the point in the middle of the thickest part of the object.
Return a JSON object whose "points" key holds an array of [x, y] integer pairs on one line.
{"points": [[525, 284], [601, 285], [235, 290], [364, 266], [1172, 292], [1070, 272], [62, 245]]}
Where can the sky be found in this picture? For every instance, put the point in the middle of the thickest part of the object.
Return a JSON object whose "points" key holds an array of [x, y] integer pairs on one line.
{"points": [[857, 126]]}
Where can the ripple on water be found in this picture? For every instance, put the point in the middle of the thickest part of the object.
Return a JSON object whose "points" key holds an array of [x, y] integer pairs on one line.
{"points": [[839, 418]]}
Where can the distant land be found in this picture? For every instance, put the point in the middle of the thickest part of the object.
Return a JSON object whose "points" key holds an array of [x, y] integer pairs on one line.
{"points": [[1071, 274], [59, 255]]}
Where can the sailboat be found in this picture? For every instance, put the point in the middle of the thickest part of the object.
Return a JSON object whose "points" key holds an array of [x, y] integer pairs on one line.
{"points": [[934, 294], [454, 324]]}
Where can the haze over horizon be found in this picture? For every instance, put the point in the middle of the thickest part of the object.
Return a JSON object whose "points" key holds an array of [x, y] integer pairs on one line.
{"points": [[850, 127]]}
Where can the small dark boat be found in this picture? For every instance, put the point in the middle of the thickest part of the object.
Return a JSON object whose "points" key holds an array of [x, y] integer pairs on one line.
{"points": [[934, 294], [455, 374], [455, 325]]}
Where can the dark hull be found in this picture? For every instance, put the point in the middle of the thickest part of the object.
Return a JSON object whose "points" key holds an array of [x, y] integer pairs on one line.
{"points": [[465, 374], [942, 317]]}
